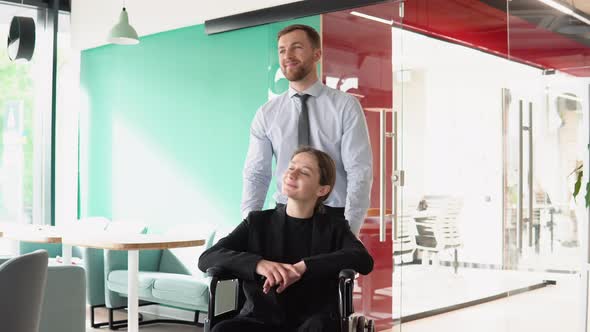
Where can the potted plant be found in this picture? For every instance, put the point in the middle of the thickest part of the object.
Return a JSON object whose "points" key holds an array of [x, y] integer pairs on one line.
{"points": [[579, 171]]}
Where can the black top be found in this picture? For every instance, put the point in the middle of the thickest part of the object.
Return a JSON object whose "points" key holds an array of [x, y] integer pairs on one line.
{"points": [[330, 247], [297, 246], [297, 239]]}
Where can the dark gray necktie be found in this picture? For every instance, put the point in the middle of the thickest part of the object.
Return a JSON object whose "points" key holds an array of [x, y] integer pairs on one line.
{"points": [[303, 125]]}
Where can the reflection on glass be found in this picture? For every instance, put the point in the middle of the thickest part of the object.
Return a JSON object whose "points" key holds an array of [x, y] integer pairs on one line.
{"points": [[483, 172], [357, 59], [553, 240]]}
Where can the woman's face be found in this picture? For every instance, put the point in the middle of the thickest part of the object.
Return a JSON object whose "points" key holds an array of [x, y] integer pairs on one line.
{"points": [[301, 180]]}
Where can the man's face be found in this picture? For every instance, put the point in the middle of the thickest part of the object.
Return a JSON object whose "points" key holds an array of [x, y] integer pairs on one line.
{"points": [[296, 55]]}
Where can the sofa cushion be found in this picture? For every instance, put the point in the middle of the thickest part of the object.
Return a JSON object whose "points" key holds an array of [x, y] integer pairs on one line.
{"points": [[117, 282], [181, 289], [188, 257]]}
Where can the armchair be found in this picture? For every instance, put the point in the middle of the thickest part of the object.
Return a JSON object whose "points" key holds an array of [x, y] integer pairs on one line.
{"points": [[348, 320], [22, 285], [166, 277], [60, 312]]}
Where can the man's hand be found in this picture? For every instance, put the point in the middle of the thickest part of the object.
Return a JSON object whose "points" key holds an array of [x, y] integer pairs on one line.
{"points": [[277, 274]]}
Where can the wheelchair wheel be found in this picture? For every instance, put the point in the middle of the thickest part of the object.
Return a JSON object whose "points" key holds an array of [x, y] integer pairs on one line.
{"points": [[360, 326], [353, 320]]}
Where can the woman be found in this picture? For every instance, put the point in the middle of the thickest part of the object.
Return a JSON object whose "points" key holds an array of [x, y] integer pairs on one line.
{"points": [[289, 257]]}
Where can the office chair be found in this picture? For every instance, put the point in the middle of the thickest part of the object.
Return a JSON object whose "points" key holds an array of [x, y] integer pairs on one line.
{"points": [[348, 320], [22, 285], [440, 231]]}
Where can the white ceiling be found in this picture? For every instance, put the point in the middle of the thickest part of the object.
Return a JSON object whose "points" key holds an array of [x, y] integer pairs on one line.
{"points": [[91, 20]]}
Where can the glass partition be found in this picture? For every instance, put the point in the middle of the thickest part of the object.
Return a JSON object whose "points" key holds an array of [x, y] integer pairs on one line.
{"points": [[357, 51], [491, 128], [546, 138]]}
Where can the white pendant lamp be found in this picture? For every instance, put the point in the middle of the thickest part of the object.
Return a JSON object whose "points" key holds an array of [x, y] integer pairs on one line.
{"points": [[123, 33]]}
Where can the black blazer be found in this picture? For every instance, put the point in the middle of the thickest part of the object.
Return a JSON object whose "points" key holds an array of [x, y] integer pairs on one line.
{"points": [[261, 236]]}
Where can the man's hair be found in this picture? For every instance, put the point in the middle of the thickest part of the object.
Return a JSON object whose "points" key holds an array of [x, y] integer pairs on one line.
{"points": [[326, 166], [313, 35]]}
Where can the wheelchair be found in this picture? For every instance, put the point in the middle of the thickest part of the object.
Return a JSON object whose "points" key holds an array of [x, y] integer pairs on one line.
{"points": [[349, 321]]}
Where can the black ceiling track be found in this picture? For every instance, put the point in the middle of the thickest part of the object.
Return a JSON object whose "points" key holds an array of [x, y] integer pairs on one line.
{"points": [[282, 13]]}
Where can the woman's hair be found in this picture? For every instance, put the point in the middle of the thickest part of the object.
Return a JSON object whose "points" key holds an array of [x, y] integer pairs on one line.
{"points": [[327, 169]]}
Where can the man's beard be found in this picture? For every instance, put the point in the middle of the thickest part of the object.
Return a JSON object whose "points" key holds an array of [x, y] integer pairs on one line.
{"points": [[296, 75]]}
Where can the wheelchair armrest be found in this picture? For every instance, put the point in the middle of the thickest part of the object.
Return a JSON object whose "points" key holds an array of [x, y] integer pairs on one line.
{"points": [[347, 274], [345, 287], [218, 273]]}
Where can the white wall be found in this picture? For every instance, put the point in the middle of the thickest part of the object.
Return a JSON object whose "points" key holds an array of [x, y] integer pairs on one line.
{"points": [[91, 20]]}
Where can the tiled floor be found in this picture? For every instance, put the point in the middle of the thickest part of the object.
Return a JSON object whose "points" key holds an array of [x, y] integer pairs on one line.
{"points": [[549, 309], [423, 288]]}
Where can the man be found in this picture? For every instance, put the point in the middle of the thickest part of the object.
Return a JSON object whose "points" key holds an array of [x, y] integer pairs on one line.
{"points": [[309, 113]]}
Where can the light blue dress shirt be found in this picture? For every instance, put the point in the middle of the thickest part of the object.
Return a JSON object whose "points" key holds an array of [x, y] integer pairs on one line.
{"points": [[337, 126]]}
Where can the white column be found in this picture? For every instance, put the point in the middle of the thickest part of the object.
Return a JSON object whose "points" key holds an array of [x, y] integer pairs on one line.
{"points": [[133, 283], [66, 252]]}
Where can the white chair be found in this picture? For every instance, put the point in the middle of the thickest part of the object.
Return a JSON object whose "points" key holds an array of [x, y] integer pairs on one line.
{"points": [[404, 244], [438, 230]]}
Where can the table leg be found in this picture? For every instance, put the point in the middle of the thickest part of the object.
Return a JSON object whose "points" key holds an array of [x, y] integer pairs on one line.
{"points": [[66, 252], [132, 299]]}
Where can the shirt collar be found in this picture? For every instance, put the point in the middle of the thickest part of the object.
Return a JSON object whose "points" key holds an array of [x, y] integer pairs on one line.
{"points": [[314, 90]]}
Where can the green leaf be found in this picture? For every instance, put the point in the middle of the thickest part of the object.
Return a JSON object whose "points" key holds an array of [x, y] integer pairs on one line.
{"points": [[579, 168], [578, 184], [588, 194]]}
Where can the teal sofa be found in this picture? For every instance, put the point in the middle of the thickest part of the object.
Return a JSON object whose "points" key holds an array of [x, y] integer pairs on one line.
{"points": [[167, 277]]}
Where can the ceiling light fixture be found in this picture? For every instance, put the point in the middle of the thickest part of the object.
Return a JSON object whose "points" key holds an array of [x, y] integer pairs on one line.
{"points": [[372, 18], [123, 33], [21, 39], [569, 96]]}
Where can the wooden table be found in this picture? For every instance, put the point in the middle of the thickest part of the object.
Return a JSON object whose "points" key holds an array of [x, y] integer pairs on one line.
{"points": [[32, 233], [132, 244], [36, 234]]}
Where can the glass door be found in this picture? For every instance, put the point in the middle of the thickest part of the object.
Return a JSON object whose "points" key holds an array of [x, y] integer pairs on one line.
{"points": [[544, 142], [488, 131], [546, 138], [357, 59]]}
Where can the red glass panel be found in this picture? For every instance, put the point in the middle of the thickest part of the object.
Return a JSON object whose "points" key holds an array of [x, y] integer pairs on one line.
{"points": [[357, 59]]}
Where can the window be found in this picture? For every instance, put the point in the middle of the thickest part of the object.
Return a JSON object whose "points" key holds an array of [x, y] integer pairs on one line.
{"points": [[25, 120]]}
